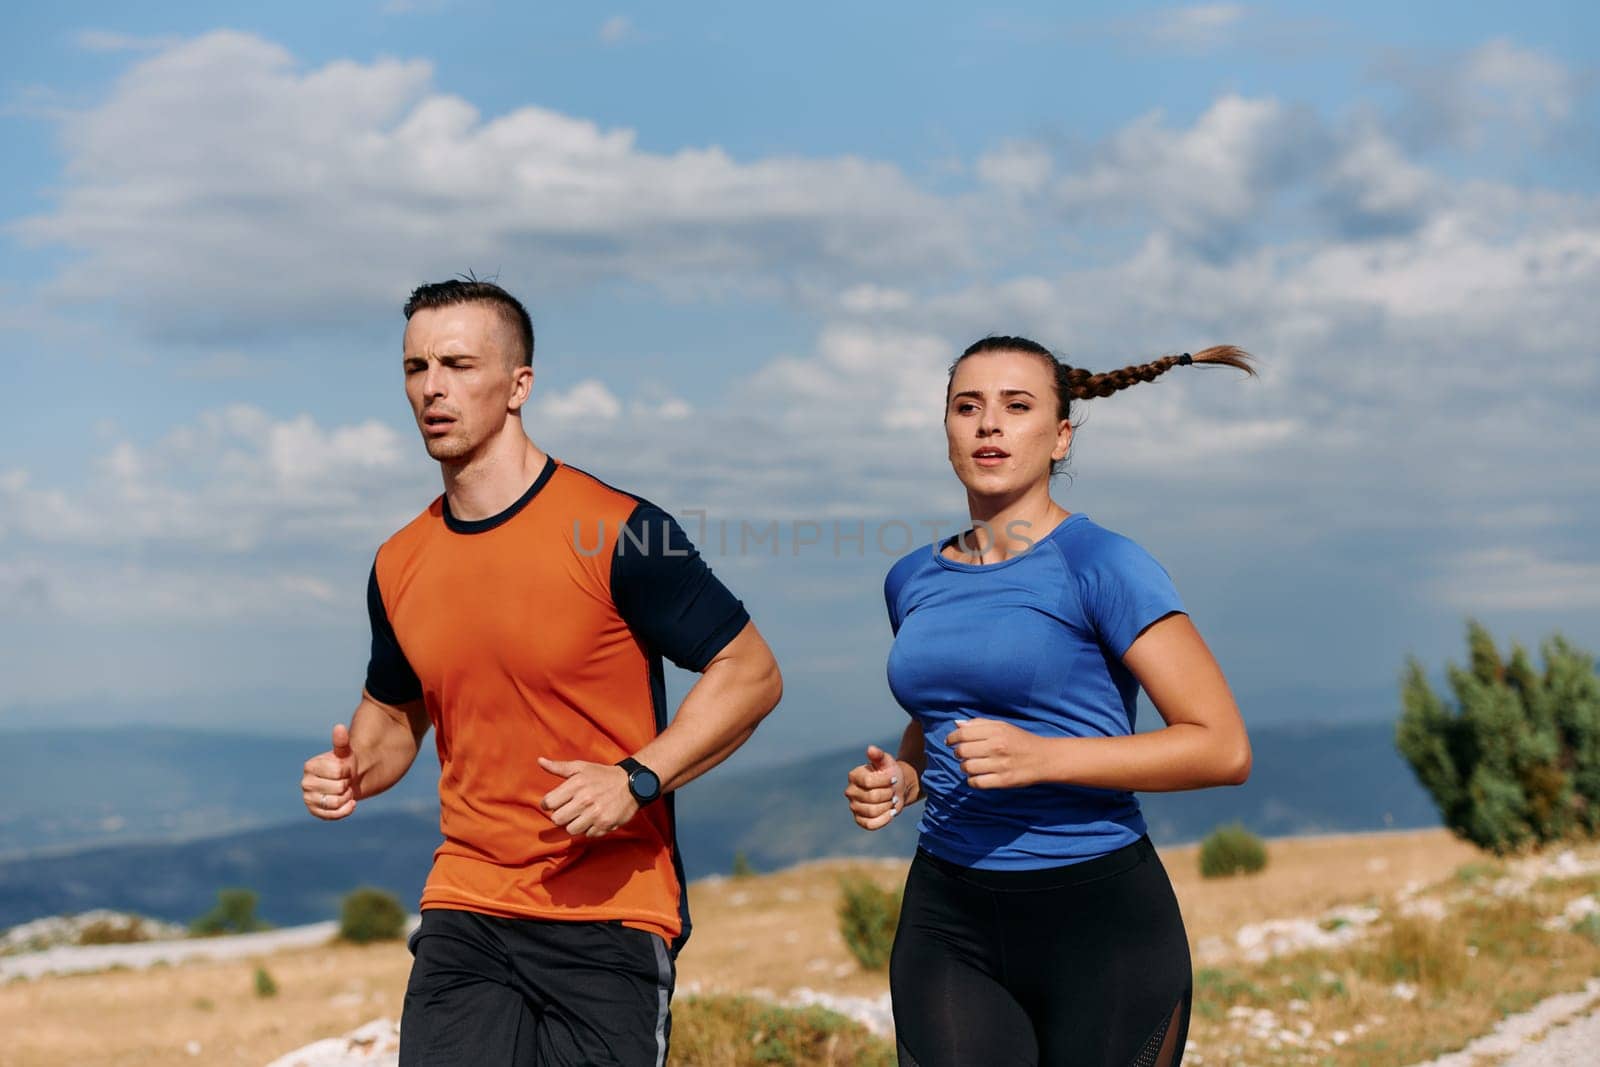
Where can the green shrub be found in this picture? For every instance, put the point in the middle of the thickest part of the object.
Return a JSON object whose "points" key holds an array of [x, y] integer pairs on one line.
{"points": [[722, 1031], [1469, 873], [234, 913], [369, 914], [741, 865], [265, 986], [114, 932], [868, 916], [1230, 850], [1516, 760], [1432, 954]]}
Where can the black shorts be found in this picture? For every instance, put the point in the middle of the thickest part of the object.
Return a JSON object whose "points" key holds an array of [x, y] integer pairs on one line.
{"points": [[487, 991], [1086, 964]]}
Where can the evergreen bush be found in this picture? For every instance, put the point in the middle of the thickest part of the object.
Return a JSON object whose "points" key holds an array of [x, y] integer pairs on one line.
{"points": [[233, 913], [868, 916], [1515, 761], [370, 914], [1230, 850]]}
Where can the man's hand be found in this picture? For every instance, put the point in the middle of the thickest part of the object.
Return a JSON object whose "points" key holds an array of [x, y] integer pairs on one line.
{"points": [[879, 789], [593, 801], [997, 755], [329, 782]]}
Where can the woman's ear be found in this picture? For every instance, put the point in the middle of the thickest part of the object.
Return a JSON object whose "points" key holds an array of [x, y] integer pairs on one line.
{"points": [[1063, 441]]}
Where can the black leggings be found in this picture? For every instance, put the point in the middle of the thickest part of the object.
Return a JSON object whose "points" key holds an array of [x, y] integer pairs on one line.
{"points": [[1086, 964]]}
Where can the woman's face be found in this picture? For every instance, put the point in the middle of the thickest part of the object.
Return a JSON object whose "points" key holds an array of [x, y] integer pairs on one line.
{"points": [[1001, 422]]}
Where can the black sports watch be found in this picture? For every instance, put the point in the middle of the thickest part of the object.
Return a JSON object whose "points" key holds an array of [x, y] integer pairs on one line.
{"points": [[643, 783]]}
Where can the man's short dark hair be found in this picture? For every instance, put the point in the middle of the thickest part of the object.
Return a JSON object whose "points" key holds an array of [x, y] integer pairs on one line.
{"points": [[472, 291]]}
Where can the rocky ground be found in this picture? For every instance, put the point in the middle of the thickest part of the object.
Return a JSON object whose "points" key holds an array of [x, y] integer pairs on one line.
{"points": [[773, 936]]}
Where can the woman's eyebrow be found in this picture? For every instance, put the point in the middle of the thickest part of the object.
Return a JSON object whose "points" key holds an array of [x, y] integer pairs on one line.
{"points": [[979, 394]]}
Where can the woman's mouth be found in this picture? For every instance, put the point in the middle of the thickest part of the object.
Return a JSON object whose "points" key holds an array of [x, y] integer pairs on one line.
{"points": [[990, 456]]}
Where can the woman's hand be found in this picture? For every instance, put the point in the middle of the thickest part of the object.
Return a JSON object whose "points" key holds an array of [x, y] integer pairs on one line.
{"points": [[996, 755], [880, 789]]}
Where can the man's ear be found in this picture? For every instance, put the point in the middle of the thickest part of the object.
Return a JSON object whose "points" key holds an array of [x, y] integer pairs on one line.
{"points": [[521, 386]]}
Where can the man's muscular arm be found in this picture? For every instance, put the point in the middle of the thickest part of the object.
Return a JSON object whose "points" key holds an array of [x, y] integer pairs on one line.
{"points": [[369, 757], [734, 693], [738, 688]]}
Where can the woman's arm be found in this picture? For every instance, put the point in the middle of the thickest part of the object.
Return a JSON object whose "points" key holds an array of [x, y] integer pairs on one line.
{"points": [[1204, 743]]}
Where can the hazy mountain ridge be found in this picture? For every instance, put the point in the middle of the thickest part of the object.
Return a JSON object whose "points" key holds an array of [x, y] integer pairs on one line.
{"points": [[1306, 780]]}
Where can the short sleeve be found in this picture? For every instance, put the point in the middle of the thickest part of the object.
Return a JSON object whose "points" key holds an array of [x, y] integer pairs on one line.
{"points": [[390, 678], [893, 583], [1125, 591], [667, 594]]}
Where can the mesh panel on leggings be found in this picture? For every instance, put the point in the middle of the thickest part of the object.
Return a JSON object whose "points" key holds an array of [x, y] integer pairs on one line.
{"points": [[1152, 1048], [1158, 1051]]}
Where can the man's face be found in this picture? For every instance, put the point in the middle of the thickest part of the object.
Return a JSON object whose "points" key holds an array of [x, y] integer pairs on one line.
{"points": [[461, 377]]}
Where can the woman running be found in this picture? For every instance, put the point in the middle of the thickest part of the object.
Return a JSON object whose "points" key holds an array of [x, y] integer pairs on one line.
{"points": [[1038, 925]]}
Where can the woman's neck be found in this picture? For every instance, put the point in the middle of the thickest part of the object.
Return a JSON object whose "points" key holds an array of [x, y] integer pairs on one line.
{"points": [[1003, 527]]}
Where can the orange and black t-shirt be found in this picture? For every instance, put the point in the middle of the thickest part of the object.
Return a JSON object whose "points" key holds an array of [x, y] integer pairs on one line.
{"points": [[540, 631]]}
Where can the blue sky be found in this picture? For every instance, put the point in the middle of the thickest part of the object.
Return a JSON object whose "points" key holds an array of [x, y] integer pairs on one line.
{"points": [[751, 240]]}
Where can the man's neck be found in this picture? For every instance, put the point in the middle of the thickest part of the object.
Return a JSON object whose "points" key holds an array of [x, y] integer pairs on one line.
{"points": [[492, 479]]}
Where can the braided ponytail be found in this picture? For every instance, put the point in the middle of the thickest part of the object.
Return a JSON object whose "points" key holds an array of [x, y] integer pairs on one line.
{"points": [[1086, 385], [1075, 383]]}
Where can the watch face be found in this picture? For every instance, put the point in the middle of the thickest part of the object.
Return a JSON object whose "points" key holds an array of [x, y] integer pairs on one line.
{"points": [[644, 783]]}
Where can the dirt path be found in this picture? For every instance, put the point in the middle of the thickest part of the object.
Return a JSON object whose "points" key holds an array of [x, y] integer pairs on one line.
{"points": [[1561, 1031]]}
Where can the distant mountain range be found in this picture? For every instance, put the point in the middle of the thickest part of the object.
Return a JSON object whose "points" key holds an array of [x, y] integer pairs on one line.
{"points": [[195, 812]]}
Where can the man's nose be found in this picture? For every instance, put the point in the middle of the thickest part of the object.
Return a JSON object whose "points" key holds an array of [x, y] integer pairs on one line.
{"points": [[433, 381]]}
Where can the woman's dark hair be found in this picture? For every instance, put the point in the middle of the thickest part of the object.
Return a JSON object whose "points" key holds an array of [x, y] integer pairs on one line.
{"points": [[1075, 383], [470, 290]]}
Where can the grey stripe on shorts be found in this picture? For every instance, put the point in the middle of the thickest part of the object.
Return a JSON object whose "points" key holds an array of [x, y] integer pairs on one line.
{"points": [[664, 995]]}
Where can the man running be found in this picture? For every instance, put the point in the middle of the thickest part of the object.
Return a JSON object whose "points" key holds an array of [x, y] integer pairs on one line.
{"points": [[525, 615]]}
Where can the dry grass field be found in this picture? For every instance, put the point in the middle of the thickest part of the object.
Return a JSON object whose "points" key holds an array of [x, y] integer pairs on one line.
{"points": [[1464, 960]]}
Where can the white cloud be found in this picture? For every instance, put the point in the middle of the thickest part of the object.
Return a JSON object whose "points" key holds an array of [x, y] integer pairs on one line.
{"points": [[1496, 96], [230, 483], [114, 41], [1426, 341], [1017, 166], [616, 29], [588, 399], [867, 299], [100, 591], [415, 7], [1517, 578], [278, 198], [1207, 183], [1196, 28], [1520, 83]]}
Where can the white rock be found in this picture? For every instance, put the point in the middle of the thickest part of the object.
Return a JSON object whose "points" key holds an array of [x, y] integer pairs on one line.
{"points": [[875, 1013], [1424, 908], [373, 1044]]}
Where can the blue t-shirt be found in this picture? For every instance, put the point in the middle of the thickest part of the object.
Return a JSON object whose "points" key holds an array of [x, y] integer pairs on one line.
{"points": [[1036, 641]]}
